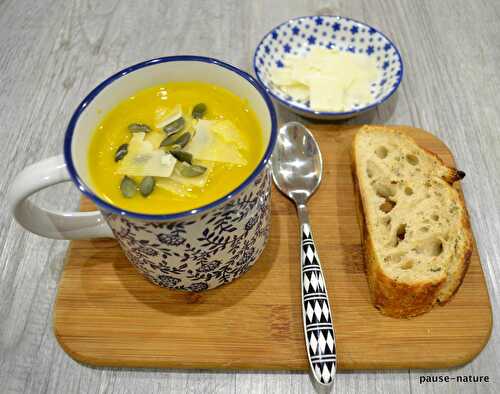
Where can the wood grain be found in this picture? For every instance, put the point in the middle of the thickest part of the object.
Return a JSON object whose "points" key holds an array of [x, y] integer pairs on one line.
{"points": [[53, 52], [107, 314]]}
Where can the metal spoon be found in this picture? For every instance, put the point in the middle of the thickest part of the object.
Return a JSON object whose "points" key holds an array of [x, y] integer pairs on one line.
{"points": [[297, 167]]}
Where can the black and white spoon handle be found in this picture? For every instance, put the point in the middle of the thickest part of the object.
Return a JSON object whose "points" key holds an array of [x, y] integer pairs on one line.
{"points": [[316, 312]]}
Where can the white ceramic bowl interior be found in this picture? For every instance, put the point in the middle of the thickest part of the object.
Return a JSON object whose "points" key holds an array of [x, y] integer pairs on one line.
{"points": [[297, 36]]}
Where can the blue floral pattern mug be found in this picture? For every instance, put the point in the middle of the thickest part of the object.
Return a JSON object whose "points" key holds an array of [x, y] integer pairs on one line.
{"points": [[204, 251], [192, 250]]}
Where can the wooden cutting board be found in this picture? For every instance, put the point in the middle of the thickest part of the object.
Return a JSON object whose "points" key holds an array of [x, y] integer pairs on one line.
{"points": [[107, 314]]}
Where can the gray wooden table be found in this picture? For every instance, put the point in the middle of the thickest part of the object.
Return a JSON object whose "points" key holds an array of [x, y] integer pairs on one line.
{"points": [[53, 52]]}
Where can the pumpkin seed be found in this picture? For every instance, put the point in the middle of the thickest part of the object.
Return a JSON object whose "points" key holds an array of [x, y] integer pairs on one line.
{"points": [[199, 110], [182, 156], [191, 171], [176, 141], [139, 128], [175, 126], [183, 140], [128, 187], [147, 186], [121, 152], [171, 148], [169, 140]]}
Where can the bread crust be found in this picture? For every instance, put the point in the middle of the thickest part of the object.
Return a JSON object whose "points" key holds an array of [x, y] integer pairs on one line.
{"points": [[392, 298], [464, 264], [454, 176]]}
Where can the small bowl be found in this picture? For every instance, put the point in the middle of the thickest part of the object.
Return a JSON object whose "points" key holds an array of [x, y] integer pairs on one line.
{"points": [[297, 36]]}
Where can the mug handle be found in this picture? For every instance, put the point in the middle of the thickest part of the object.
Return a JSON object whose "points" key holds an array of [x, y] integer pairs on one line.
{"points": [[57, 225]]}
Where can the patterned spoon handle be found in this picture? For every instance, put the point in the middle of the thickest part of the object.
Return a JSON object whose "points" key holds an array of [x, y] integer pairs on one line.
{"points": [[316, 313]]}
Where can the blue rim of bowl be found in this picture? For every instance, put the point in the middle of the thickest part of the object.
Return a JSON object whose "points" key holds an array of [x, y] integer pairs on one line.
{"points": [[90, 97], [321, 113]]}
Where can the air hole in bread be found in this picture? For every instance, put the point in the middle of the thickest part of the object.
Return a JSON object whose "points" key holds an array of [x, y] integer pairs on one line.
{"points": [[393, 258], [381, 152], [370, 169], [437, 248], [412, 159], [408, 191], [387, 206], [401, 232], [435, 217], [407, 265], [424, 229], [385, 191], [386, 220], [431, 247]]}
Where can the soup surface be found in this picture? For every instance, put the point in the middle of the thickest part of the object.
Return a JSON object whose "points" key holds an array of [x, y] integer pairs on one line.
{"points": [[174, 147]]}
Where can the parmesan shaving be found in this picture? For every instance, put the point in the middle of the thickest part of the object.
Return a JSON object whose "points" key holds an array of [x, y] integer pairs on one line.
{"points": [[208, 145], [330, 79], [164, 116], [143, 159]]}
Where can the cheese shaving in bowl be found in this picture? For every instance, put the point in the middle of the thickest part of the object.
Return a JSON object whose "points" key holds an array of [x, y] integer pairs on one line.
{"points": [[330, 79]]}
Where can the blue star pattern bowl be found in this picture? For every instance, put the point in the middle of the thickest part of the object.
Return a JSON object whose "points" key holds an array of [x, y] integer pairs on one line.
{"points": [[298, 36]]}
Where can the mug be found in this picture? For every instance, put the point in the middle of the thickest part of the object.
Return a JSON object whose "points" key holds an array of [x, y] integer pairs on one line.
{"points": [[192, 250]]}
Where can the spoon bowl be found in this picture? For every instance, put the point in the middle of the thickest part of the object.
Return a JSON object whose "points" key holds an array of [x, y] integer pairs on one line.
{"points": [[297, 165]]}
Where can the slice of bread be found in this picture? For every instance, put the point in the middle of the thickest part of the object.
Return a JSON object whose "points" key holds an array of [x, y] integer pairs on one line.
{"points": [[416, 232]]}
